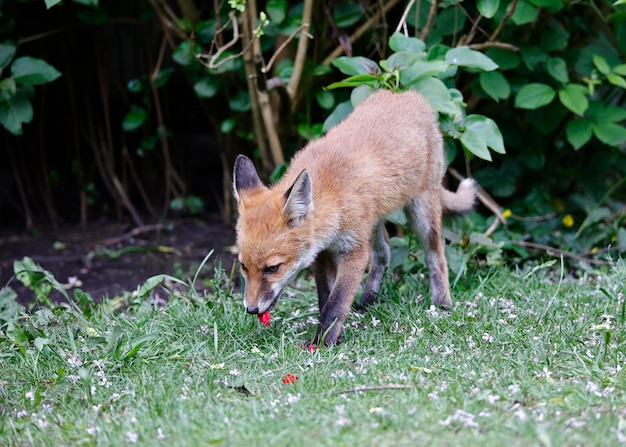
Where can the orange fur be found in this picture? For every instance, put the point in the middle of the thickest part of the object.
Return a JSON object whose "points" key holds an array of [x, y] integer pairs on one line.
{"points": [[327, 210]]}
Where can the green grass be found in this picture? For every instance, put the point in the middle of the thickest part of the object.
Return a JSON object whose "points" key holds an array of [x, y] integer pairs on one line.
{"points": [[522, 360]]}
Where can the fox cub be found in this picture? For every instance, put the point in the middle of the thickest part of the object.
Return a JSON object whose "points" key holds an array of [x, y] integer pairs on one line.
{"points": [[328, 210]]}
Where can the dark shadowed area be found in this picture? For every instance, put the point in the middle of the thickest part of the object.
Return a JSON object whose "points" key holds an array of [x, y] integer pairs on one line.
{"points": [[106, 259]]}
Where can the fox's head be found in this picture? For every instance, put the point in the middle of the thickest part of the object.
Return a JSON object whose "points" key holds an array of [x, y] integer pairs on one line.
{"points": [[274, 233]]}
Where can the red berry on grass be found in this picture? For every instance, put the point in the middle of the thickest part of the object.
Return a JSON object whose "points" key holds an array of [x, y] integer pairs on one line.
{"points": [[289, 379]]}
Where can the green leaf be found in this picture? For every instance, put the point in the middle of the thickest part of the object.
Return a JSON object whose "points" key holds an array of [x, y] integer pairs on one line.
{"points": [[134, 119], [15, 112], [422, 69], [276, 10], [228, 125], [574, 97], [339, 114], [31, 71], [495, 85], [487, 129], [400, 42], [437, 95], [557, 68], [352, 66], [466, 57], [87, 2], [355, 81], [240, 102], [183, 54], [535, 95], [620, 69], [475, 144], [601, 64], [7, 52], [488, 8], [506, 59], [595, 215], [532, 56], [579, 132], [524, 13], [206, 87], [548, 3], [325, 99], [51, 3], [616, 80], [599, 113], [346, 13], [554, 37], [610, 133]]}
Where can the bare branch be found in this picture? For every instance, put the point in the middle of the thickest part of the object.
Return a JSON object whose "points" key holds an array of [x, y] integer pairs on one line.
{"points": [[432, 13], [402, 22], [495, 44], [507, 16], [298, 64]]}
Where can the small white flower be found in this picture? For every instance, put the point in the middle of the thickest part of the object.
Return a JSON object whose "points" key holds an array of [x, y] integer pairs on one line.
{"points": [[132, 437]]}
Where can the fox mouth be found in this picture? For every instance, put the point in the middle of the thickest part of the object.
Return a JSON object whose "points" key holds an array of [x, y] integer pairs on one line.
{"points": [[263, 308]]}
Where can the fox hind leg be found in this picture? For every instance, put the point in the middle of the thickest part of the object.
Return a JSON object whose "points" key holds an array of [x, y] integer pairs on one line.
{"points": [[379, 260], [424, 214]]}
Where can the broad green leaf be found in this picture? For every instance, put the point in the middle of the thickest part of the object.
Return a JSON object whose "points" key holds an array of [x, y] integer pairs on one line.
{"points": [[402, 60], [400, 42], [574, 97], [134, 119], [15, 112], [532, 56], [437, 94], [359, 94], [557, 68], [276, 10], [620, 69], [601, 64], [474, 142], [240, 101], [506, 59], [422, 69], [51, 3], [228, 125], [599, 113], [32, 71], [579, 132], [495, 85], [488, 8], [610, 133], [595, 215], [487, 129], [87, 2], [467, 57], [548, 3], [554, 37], [183, 54], [206, 87], [535, 95], [616, 80], [338, 115], [524, 13], [8, 89], [346, 13], [325, 99], [352, 66], [7, 51]]}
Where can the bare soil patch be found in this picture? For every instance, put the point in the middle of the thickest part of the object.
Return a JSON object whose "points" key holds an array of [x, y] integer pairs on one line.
{"points": [[109, 258]]}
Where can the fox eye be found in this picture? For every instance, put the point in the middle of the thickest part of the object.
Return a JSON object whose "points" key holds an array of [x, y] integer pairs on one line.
{"points": [[271, 269], [243, 266]]}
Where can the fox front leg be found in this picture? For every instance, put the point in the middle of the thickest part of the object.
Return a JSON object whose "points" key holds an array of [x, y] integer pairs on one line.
{"points": [[333, 314]]}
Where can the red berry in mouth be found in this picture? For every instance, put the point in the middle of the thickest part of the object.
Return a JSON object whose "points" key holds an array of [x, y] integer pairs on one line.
{"points": [[265, 318]]}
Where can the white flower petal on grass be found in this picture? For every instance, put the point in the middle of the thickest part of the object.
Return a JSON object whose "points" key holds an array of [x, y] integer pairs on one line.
{"points": [[132, 437]]}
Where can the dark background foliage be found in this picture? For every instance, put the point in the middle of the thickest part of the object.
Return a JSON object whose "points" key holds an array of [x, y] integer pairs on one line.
{"points": [[137, 129]]}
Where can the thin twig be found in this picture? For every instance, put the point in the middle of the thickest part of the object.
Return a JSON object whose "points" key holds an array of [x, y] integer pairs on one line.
{"points": [[300, 59], [432, 14], [369, 388], [402, 22], [495, 44], [558, 252], [507, 16], [283, 45]]}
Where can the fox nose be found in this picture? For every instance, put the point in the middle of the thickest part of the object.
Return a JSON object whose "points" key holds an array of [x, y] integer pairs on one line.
{"points": [[252, 309]]}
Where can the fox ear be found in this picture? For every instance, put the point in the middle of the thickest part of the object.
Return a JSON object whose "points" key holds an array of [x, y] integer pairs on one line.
{"points": [[244, 176], [299, 200]]}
